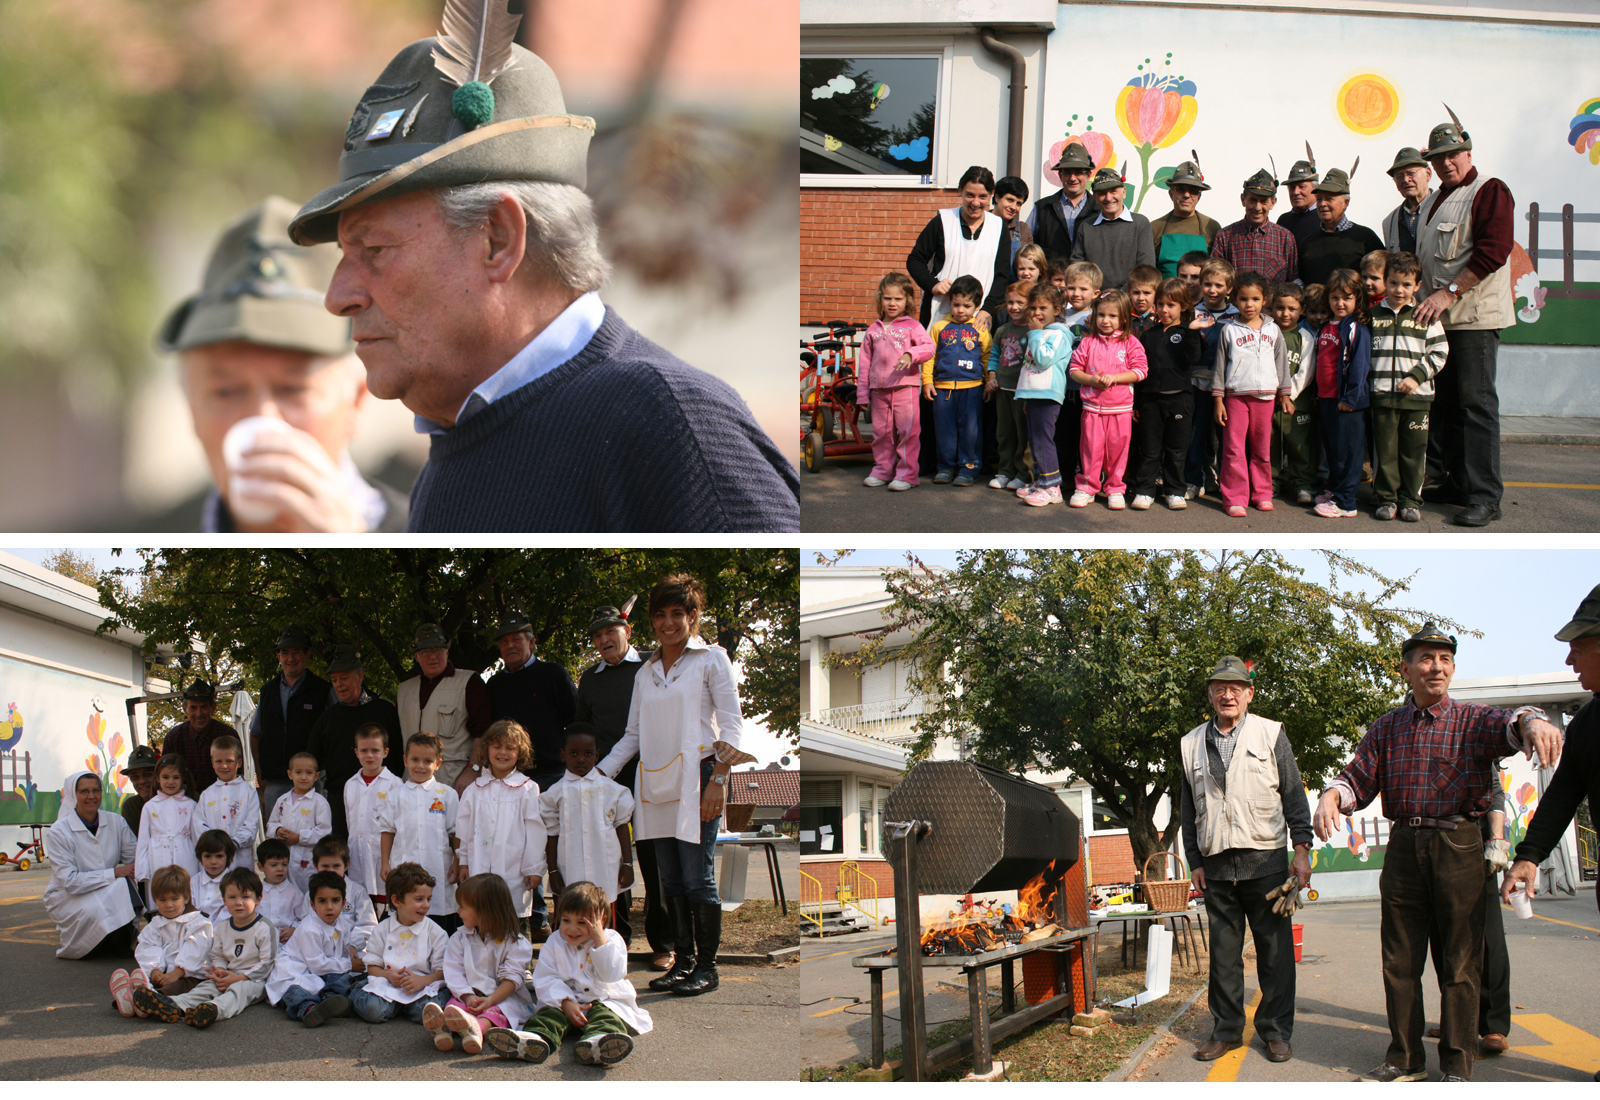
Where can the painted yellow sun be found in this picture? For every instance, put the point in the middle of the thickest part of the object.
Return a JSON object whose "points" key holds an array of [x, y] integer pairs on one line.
{"points": [[1368, 103]]}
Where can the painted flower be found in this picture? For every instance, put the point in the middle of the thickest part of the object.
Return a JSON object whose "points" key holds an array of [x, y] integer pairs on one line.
{"points": [[1156, 109], [1098, 145], [1585, 130], [97, 729]]}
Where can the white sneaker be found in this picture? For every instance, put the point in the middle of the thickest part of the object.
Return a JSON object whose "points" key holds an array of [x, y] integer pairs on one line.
{"points": [[1141, 502], [1176, 503], [1016, 483], [998, 481], [1115, 502], [873, 482], [1041, 497], [1081, 499], [1194, 492], [898, 486]]}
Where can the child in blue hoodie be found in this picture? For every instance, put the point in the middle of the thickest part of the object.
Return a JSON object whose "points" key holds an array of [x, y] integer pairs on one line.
{"points": [[1040, 385], [1344, 360]]}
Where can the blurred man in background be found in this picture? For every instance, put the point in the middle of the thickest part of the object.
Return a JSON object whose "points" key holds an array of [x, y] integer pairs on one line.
{"points": [[255, 345]]}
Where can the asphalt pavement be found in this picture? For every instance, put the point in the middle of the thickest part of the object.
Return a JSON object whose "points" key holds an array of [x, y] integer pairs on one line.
{"points": [[1549, 486], [57, 1022]]}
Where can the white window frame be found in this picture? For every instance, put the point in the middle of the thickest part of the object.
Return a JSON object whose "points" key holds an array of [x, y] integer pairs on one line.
{"points": [[880, 792], [941, 49], [1088, 817]]}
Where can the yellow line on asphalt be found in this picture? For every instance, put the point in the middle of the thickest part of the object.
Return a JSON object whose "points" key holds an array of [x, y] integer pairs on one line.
{"points": [[13, 901], [1567, 1046], [1569, 924], [832, 955], [1546, 485], [1226, 1068], [887, 993]]}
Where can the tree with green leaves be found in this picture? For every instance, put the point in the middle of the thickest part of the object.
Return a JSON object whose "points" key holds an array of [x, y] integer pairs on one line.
{"points": [[73, 565], [234, 603], [1094, 662]]}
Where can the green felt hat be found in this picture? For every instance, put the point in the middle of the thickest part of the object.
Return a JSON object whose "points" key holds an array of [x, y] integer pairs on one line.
{"points": [[262, 288], [1188, 174], [294, 637], [513, 622], [141, 757], [345, 659], [1233, 669], [1585, 621], [1107, 179], [429, 636], [1447, 138], [201, 691], [1428, 635], [1303, 169], [604, 617], [1408, 157], [1075, 156], [1336, 182], [1262, 183], [429, 121]]}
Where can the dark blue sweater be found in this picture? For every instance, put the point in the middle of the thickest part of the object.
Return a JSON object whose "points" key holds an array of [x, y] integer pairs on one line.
{"points": [[623, 436]]}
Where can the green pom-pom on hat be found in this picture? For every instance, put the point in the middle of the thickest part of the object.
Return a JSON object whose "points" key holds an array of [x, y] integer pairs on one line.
{"points": [[473, 104]]}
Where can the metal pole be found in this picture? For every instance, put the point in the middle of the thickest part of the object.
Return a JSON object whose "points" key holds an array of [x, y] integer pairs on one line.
{"points": [[877, 1017], [908, 934], [982, 1052]]}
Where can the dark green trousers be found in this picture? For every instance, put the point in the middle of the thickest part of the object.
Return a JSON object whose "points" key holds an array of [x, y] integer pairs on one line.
{"points": [[1400, 455], [1295, 437], [553, 1025]]}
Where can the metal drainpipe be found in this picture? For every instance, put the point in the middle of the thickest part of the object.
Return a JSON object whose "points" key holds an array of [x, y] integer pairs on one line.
{"points": [[1019, 74]]}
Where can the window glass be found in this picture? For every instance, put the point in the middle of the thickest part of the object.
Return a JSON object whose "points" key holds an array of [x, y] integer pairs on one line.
{"points": [[821, 816], [871, 116]]}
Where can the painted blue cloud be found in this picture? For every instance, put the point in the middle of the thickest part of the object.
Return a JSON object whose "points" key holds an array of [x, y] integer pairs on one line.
{"points": [[913, 151]]}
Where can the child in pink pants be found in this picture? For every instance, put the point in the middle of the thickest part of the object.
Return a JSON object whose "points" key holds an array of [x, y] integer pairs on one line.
{"points": [[1252, 380], [485, 968], [1106, 364], [889, 372]]}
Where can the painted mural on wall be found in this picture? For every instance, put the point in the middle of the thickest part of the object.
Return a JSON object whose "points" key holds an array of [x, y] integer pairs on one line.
{"points": [[37, 754], [1354, 86]]}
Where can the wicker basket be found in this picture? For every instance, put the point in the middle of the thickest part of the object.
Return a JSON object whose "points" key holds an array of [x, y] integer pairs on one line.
{"points": [[1167, 897]]}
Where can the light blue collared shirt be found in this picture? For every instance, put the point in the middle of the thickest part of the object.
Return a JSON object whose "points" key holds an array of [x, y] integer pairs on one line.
{"points": [[561, 339], [1125, 216]]}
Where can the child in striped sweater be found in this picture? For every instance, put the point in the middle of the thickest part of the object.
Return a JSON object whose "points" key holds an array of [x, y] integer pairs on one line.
{"points": [[1406, 357], [1106, 364], [1252, 368]]}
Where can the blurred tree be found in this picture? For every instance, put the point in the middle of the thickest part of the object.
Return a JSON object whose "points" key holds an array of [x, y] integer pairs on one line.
{"points": [[70, 563], [234, 603]]}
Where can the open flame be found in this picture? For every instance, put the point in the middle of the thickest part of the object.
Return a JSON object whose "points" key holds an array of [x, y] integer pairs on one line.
{"points": [[987, 925]]}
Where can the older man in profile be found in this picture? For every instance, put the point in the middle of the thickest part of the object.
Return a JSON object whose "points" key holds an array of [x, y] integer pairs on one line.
{"points": [[470, 273], [1432, 760], [1243, 805], [1413, 179]]}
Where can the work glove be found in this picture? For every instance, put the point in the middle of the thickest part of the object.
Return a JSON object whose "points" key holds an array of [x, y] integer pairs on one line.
{"points": [[1498, 853], [1286, 898]]}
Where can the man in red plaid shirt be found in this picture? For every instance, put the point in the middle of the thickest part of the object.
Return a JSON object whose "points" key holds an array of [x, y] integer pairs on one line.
{"points": [[192, 739], [1254, 243], [1432, 759]]}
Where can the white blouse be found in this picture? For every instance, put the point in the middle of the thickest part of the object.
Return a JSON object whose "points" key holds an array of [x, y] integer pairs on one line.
{"points": [[416, 948], [234, 808], [586, 975], [583, 812], [473, 964], [501, 833], [361, 803], [310, 816], [422, 818], [184, 940], [284, 903], [315, 949], [166, 838]]}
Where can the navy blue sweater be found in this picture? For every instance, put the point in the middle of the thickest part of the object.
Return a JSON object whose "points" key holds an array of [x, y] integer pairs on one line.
{"points": [[623, 436]]}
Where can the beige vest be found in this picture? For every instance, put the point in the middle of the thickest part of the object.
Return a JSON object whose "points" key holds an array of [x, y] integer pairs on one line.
{"points": [[1444, 245], [445, 716], [1250, 813]]}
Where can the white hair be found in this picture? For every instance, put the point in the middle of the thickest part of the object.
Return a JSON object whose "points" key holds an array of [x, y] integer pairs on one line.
{"points": [[562, 234]]}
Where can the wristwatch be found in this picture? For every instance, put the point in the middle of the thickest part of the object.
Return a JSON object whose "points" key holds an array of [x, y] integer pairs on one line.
{"points": [[1455, 290], [720, 780]]}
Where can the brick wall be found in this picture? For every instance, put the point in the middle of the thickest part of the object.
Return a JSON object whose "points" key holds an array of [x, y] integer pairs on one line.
{"points": [[827, 873], [1112, 857], [850, 236]]}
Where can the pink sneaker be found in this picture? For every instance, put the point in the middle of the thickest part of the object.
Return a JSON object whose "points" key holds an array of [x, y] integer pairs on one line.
{"points": [[1263, 505], [1022, 493], [1040, 497], [122, 992], [466, 1025], [1324, 496], [1234, 510], [1330, 509]]}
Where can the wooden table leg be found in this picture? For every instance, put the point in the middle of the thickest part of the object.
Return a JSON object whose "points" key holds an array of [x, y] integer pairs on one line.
{"points": [[982, 1055], [1008, 987], [877, 1017]]}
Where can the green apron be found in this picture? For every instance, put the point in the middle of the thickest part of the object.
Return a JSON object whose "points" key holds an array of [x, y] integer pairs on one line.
{"points": [[1174, 245]]}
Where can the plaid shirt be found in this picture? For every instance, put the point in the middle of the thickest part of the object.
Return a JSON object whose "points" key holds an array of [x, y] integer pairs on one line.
{"points": [[1436, 761], [195, 748], [1268, 249]]}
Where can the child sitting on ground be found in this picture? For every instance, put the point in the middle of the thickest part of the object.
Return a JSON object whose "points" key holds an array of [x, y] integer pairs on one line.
{"points": [[214, 851], [418, 825], [485, 968], [230, 804], [405, 956], [1344, 360], [242, 950], [1406, 358], [1164, 400], [315, 973], [581, 985], [1106, 364], [1296, 430], [173, 947], [282, 903], [1251, 372], [359, 919], [1006, 352], [166, 826], [364, 792], [499, 823], [301, 818], [889, 370], [1040, 383], [953, 381], [586, 820]]}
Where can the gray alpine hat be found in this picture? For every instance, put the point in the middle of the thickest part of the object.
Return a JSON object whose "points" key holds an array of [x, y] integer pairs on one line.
{"points": [[1585, 621], [1408, 157], [443, 114], [262, 288], [345, 659], [1232, 669], [429, 636]]}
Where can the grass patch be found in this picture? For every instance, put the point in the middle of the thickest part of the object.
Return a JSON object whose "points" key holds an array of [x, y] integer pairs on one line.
{"points": [[758, 927]]}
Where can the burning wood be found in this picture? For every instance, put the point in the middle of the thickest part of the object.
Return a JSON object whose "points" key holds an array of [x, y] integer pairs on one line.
{"points": [[988, 925]]}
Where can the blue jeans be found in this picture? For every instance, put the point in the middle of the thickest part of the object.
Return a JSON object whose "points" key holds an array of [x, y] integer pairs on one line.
{"points": [[375, 1009], [1343, 439], [297, 1001], [687, 870], [1200, 467], [956, 421]]}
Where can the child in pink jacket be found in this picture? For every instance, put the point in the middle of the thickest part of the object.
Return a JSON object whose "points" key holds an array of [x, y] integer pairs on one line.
{"points": [[1106, 364], [889, 372]]}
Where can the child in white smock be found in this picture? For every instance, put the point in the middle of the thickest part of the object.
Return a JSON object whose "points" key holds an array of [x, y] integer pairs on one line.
{"points": [[173, 947], [358, 919], [214, 851], [405, 956], [230, 804], [417, 824], [499, 825], [314, 973], [301, 818], [242, 950], [586, 820], [166, 826], [485, 967], [282, 902], [364, 793]]}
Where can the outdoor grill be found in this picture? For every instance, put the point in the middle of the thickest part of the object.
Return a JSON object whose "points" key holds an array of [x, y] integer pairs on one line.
{"points": [[953, 827]]}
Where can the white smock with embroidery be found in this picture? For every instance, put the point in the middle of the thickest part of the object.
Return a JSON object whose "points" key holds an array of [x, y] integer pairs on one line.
{"points": [[422, 818], [308, 815], [416, 948], [181, 941], [361, 803], [587, 974], [676, 719], [473, 964], [316, 948], [583, 811], [234, 808], [166, 838], [85, 898], [501, 833]]}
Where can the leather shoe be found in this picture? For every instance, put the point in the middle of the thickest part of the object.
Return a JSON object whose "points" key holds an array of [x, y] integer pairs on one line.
{"points": [[1476, 515], [1443, 494], [1215, 1049], [1494, 1044], [1278, 1050], [1433, 1033]]}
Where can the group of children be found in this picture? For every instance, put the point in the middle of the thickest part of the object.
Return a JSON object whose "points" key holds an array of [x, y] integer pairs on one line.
{"points": [[1213, 381], [453, 951]]}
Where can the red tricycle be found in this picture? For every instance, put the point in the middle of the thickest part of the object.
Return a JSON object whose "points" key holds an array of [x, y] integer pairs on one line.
{"points": [[36, 846], [828, 396]]}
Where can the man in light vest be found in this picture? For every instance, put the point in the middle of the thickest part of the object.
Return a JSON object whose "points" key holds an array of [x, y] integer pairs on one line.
{"points": [[448, 701], [1243, 803], [1464, 239]]}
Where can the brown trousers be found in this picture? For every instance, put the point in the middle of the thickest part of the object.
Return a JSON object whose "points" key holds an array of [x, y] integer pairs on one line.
{"points": [[1432, 887]]}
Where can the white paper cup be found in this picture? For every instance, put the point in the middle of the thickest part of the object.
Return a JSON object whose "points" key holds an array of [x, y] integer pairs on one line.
{"points": [[1521, 904], [245, 507]]}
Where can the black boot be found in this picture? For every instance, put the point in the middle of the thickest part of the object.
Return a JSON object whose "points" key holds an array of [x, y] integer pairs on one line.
{"points": [[683, 957], [707, 938]]}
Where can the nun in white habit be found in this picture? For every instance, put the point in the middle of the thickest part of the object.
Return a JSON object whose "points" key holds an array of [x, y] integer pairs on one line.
{"points": [[90, 897]]}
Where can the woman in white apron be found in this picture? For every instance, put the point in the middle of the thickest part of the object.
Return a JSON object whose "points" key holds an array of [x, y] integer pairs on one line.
{"points": [[90, 896], [684, 723]]}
